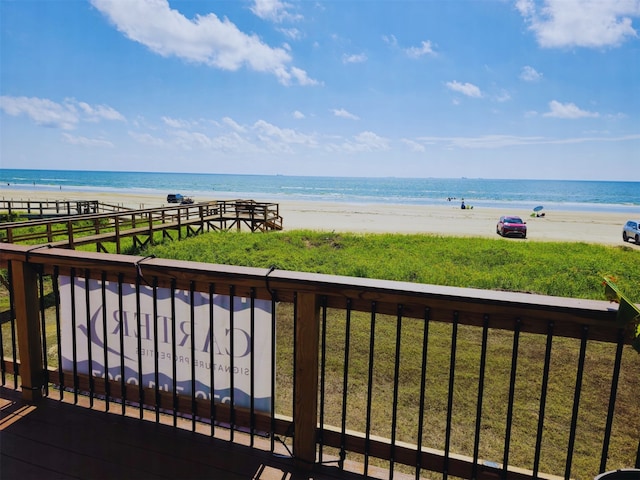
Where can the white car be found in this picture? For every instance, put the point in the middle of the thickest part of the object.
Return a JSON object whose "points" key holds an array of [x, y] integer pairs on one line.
{"points": [[631, 231]]}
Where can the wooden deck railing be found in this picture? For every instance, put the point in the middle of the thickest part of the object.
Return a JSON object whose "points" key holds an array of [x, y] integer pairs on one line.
{"points": [[103, 228], [49, 208], [335, 387]]}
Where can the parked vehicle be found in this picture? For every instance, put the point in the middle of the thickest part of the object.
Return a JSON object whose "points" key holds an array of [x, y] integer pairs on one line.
{"points": [[510, 225], [187, 201], [175, 198], [631, 231]]}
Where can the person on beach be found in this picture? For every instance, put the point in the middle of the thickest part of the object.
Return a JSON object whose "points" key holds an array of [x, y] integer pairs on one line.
{"points": [[462, 206]]}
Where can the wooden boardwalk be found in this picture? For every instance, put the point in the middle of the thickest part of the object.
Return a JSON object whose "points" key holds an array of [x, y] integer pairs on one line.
{"points": [[71, 231]]}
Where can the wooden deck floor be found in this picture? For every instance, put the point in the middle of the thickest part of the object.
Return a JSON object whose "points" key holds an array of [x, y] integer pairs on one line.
{"points": [[59, 440]]}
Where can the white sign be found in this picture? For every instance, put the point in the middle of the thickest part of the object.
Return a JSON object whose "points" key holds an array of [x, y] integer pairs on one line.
{"points": [[159, 338]]}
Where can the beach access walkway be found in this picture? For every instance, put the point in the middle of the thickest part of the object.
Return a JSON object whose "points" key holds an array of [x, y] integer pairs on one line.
{"points": [[94, 223]]}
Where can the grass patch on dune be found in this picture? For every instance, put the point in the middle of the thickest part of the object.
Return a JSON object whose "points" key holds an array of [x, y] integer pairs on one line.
{"points": [[567, 269]]}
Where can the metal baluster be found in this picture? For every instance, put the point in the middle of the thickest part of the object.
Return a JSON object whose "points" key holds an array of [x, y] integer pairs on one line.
{"points": [[232, 386], [43, 332], [212, 383], [156, 355], [3, 366], [367, 431], [14, 339], [107, 380], [87, 299], [56, 294], [576, 401], [512, 389], [123, 386], [345, 379], [543, 398], [139, 343], [452, 368], [423, 386], [74, 335], [481, 375], [174, 373], [273, 370], [194, 405], [612, 401], [323, 372], [396, 375], [252, 377], [295, 336]]}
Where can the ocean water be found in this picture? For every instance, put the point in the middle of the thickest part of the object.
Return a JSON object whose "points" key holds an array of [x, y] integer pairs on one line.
{"points": [[605, 196]]}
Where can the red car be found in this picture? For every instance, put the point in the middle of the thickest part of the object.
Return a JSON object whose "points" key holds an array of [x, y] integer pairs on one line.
{"points": [[508, 225]]}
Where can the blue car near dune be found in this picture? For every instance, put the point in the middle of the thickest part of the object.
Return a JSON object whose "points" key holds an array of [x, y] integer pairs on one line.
{"points": [[175, 198]]}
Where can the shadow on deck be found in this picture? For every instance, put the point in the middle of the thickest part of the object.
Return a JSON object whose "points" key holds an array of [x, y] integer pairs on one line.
{"points": [[57, 439]]}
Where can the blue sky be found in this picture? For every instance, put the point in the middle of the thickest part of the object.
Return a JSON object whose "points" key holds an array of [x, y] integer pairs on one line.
{"points": [[544, 89]]}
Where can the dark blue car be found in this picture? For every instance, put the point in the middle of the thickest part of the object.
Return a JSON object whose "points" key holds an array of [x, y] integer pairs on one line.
{"points": [[175, 198]]}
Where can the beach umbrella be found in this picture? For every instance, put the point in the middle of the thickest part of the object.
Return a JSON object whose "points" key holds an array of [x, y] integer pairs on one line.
{"points": [[538, 208]]}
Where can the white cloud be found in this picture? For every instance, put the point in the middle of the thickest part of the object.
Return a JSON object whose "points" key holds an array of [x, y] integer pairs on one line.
{"points": [[48, 113], [568, 110], [206, 39], [86, 142], [176, 123], [413, 145], [390, 40], [274, 10], [503, 141], [529, 74], [301, 76], [292, 33], [467, 89], [147, 139], [298, 115], [366, 142], [283, 135], [580, 23], [354, 58], [503, 96], [342, 113], [233, 124], [189, 140], [487, 141], [100, 112], [425, 48], [42, 111]]}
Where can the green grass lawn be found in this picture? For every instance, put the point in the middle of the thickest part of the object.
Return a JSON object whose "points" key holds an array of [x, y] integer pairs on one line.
{"points": [[566, 269]]}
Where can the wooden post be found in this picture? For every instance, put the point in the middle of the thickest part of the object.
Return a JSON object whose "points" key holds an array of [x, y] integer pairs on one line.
{"points": [[150, 218], [305, 404], [117, 228], [25, 288], [70, 233]]}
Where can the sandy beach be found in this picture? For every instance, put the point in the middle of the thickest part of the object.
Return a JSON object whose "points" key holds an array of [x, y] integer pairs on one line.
{"points": [[592, 227]]}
